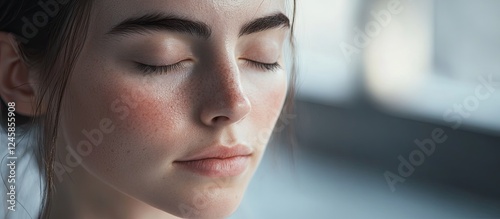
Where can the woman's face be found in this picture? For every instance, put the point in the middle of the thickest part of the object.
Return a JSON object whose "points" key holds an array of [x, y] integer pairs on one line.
{"points": [[186, 137]]}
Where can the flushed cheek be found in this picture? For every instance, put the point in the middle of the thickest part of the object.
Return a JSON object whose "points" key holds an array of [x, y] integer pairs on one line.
{"points": [[145, 135], [267, 105]]}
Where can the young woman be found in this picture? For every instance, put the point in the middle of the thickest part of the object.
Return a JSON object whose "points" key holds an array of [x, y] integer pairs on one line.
{"points": [[144, 108]]}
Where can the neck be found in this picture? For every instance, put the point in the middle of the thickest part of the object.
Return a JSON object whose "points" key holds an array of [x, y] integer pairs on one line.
{"points": [[89, 198]]}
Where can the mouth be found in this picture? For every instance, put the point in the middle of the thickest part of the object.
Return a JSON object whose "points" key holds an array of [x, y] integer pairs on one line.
{"points": [[219, 161]]}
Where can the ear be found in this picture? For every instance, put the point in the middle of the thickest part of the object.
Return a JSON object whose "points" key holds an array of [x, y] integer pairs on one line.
{"points": [[16, 85]]}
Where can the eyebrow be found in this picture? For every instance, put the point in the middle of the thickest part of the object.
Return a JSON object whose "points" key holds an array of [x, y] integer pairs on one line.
{"points": [[162, 22], [265, 23]]}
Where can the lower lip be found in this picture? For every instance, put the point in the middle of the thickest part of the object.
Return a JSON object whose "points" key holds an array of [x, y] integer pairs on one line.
{"points": [[216, 167]]}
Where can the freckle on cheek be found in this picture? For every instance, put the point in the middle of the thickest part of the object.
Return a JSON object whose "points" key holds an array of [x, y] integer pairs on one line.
{"points": [[150, 117]]}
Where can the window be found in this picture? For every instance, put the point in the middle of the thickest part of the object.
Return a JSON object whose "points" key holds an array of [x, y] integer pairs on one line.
{"points": [[434, 60]]}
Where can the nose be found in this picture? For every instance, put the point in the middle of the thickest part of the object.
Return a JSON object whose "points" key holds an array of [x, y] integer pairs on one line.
{"points": [[225, 101]]}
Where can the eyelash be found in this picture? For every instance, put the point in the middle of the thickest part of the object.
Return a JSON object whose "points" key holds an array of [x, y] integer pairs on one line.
{"points": [[264, 66], [149, 69]]}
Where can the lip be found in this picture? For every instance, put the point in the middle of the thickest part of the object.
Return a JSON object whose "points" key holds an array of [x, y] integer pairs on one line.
{"points": [[218, 161]]}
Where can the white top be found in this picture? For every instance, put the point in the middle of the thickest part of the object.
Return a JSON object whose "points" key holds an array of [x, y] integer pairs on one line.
{"points": [[28, 182]]}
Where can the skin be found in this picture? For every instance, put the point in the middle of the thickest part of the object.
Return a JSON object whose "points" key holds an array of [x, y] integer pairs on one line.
{"points": [[154, 119]]}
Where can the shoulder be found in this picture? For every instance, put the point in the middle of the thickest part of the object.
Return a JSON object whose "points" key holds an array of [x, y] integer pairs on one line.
{"points": [[21, 182]]}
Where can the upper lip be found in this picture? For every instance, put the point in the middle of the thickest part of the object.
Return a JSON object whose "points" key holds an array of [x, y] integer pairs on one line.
{"points": [[219, 152]]}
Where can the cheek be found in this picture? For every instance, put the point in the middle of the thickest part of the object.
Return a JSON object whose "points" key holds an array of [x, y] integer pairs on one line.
{"points": [[267, 101], [270, 96], [135, 116]]}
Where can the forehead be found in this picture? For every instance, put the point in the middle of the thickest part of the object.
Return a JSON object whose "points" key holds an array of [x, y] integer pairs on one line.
{"points": [[220, 15]]}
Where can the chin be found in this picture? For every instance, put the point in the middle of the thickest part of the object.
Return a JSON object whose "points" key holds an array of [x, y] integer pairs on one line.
{"points": [[200, 206], [214, 200]]}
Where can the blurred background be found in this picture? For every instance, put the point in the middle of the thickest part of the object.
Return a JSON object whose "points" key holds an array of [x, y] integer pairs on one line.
{"points": [[397, 114]]}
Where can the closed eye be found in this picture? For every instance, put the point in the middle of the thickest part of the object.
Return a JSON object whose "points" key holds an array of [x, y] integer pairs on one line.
{"points": [[263, 66], [150, 69]]}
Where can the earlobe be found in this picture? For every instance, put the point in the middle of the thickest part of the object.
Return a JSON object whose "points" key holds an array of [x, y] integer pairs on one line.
{"points": [[15, 82]]}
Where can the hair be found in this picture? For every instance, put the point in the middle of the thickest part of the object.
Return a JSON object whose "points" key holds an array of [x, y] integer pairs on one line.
{"points": [[52, 54]]}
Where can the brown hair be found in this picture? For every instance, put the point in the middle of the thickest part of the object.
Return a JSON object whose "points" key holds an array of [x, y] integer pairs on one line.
{"points": [[53, 53]]}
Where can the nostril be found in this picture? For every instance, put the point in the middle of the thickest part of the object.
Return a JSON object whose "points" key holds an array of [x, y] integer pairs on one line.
{"points": [[224, 101], [220, 119], [225, 114]]}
